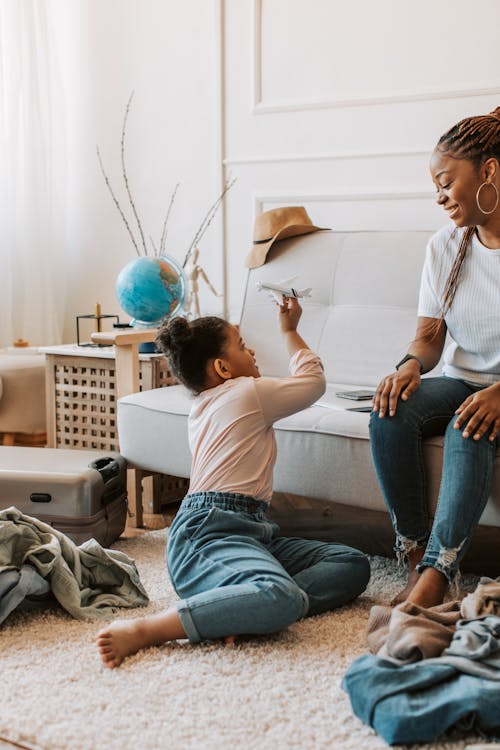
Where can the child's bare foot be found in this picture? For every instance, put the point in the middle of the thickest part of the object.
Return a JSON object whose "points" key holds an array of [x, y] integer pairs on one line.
{"points": [[126, 637], [120, 639], [414, 557]]}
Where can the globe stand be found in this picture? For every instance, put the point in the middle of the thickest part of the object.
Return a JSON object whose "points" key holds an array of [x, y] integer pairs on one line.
{"points": [[147, 347]]}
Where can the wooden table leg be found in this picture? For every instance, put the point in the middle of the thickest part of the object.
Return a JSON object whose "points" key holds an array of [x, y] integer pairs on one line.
{"points": [[134, 490]]}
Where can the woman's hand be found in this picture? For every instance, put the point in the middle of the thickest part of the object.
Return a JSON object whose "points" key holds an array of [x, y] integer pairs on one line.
{"points": [[289, 314], [401, 383], [479, 413]]}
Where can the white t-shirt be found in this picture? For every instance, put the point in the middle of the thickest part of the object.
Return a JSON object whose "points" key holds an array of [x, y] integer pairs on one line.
{"points": [[473, 321], [230, 427]]}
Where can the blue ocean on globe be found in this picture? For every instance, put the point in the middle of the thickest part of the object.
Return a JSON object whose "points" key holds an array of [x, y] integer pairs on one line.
{"points": [[150, 289]]}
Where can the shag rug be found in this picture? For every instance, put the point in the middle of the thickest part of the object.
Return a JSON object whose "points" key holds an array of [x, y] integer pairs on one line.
{"points": [[280, 692]]}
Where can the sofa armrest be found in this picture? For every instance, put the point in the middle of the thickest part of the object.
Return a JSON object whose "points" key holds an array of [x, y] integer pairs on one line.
{"points": [[126, 345]]}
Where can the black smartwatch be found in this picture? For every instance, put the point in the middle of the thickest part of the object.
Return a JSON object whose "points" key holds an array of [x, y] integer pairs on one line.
{"points": [[408, 357]]}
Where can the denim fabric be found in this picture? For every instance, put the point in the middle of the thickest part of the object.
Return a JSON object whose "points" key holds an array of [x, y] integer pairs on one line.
{"points": [[397, 450], [236, 575], [18, 587], [419, 702]]}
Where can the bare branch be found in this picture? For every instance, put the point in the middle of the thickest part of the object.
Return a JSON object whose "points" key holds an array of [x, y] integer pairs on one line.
{"points": [[115, 199], [155, 249], [208, 219], [163, 240], [125, 176]]}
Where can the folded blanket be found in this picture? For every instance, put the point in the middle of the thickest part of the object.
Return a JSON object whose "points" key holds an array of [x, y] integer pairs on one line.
{"points": [[85, 580]]}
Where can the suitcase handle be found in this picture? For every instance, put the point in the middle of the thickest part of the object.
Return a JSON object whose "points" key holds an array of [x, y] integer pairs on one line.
{"points": [[107, 467]]}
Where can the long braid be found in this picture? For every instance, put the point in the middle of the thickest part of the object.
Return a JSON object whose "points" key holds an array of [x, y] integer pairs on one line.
{"points": [[475, 139], [450, 288]]}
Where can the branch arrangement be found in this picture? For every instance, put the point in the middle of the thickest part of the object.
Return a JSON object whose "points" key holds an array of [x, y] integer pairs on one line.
{"points": [[140, 246]]}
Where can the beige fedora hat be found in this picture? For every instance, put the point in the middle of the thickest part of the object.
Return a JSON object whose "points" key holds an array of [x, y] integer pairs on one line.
{"points": [[277, 224]]}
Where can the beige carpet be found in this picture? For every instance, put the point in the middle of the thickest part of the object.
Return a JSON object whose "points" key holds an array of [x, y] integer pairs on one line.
{"points": [[275, 693]]}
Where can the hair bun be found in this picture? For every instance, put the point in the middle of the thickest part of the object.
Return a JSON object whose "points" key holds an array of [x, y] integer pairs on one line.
{"points": [[175, 333]]}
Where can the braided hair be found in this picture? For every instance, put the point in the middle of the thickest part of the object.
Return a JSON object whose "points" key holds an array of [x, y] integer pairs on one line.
{"points": [[190, 345], [475, 139]]}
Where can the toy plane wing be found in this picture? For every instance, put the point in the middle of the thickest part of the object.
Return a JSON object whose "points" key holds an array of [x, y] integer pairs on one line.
{"points": [[285, 291]]}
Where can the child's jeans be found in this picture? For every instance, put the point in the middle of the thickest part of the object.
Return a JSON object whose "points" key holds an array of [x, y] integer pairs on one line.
{"points": [[235, 575]]}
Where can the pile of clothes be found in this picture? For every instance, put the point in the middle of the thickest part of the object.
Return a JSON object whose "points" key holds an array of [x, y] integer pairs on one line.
{"points": [[40, 566], [431, 670]]}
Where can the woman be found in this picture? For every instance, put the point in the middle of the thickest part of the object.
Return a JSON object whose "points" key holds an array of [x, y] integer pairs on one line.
{"points": [[459, 295]]}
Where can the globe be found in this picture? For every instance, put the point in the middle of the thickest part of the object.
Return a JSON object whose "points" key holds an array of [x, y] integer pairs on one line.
{"points": [[150, 289]]}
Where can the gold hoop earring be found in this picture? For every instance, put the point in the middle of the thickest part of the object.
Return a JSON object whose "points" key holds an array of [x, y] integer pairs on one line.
{"points": [[490, 184]]}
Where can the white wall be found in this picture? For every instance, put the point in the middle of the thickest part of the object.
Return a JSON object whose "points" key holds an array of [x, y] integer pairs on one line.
{"points": [[322, 103], [167, 52]]}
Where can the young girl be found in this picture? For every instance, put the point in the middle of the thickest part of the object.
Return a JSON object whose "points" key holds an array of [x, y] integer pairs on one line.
{"points": [[232, 570]]}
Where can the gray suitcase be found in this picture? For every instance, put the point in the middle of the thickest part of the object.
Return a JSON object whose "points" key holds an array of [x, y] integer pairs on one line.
{"points": [[81, 493]]}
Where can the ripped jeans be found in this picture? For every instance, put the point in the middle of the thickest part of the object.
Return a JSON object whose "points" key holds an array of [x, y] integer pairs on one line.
{"points": [[467, 474]]}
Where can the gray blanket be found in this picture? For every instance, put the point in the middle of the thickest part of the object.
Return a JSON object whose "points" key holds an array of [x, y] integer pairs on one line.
{"points": [[36, 560]]}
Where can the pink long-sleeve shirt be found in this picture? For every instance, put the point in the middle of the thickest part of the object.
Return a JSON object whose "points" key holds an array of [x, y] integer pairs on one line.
{"points": [[231, 432]]}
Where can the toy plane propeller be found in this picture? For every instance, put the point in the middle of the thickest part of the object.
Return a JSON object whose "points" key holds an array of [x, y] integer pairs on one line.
{"points": [[284, 289]]}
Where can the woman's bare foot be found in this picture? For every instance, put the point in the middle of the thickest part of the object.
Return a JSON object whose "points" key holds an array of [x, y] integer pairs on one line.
{"points": [[126, 637], [430, 589], [414, 557]]}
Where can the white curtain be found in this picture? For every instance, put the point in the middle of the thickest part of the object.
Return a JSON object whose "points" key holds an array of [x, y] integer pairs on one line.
{"points": [[32, 176]]}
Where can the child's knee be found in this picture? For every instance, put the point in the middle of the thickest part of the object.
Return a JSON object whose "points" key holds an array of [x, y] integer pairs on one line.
{"points": [[361, 571], [287, 602], [355, 569]]}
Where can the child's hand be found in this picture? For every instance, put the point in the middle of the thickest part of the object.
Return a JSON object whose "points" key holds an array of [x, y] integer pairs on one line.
{"points": [[289, 314]]}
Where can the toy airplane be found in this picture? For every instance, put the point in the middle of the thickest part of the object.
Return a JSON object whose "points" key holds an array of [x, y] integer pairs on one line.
{"points": [[283, 289]]}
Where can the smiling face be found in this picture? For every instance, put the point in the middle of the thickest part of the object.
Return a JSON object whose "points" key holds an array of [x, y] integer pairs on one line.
{"points": [[457, 182]]}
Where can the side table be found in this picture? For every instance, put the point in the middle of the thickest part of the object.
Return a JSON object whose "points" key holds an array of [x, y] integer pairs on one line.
{"points": [[82, 390]]}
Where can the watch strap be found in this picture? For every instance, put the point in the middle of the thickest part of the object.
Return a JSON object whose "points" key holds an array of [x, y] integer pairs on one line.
{"points": [[406, 358]]}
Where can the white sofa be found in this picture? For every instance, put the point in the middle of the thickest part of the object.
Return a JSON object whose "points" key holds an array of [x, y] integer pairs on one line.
{"points": [[360, 319]]}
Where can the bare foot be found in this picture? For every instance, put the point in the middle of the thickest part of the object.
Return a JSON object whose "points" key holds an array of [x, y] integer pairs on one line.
{"points": [[414, 557], [126, 637], [430, 590], [120, 639]]}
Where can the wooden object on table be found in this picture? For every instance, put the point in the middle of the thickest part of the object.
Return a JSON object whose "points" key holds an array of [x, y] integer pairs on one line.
{"points": [[126, 345]]}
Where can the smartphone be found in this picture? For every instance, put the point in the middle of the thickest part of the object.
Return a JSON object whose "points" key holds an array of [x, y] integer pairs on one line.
{"points": [[359, 408], [356, 395]]}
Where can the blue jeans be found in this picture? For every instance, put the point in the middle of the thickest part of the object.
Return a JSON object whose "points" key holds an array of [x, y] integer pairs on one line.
{"points": [[235, 575], [417, 703], [467, 475]]}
